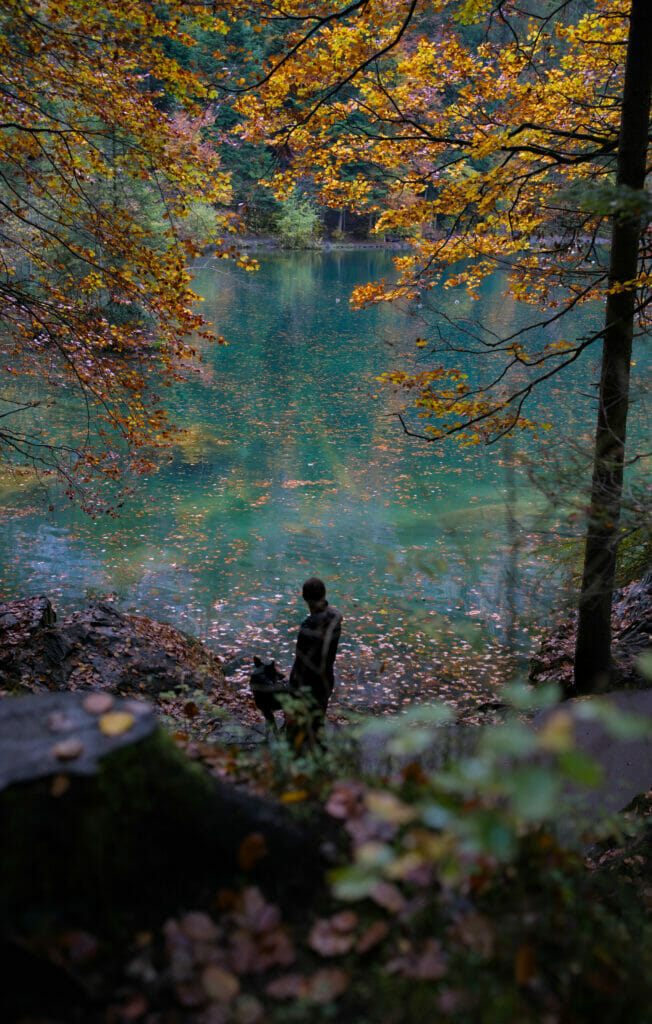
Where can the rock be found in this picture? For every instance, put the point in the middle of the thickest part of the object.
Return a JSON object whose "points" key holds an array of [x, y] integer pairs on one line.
{"points": [[127, 830], [624, 761], [37, 735], [631, 630], [27, 615], [98, 647]]}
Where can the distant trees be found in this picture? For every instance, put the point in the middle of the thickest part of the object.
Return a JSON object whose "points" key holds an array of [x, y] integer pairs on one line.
{"points": [[497, 129]]}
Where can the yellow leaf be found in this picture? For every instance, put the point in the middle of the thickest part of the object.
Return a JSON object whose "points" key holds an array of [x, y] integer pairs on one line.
{"points": [[294, 796], [114, 723], [557, 733], [389, 808]]}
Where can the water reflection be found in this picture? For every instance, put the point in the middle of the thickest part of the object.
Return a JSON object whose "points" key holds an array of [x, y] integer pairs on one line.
{"points": [[291, 465]]}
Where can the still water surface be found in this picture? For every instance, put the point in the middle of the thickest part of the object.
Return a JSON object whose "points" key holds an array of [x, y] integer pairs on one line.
{"points": [[293, 465]]}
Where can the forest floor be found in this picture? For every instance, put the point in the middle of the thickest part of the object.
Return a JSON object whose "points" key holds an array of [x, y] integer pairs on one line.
{"points": [[548, 933]]}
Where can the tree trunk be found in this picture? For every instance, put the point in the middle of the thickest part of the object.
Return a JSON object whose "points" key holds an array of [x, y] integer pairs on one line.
{"points": [[593, 663]]}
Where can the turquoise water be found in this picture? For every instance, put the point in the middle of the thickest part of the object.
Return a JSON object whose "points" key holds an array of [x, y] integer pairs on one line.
{"points": [[293, 465]]}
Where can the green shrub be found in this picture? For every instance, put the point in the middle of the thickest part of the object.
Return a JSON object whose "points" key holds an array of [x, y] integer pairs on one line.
{"points": [[298, 225]]}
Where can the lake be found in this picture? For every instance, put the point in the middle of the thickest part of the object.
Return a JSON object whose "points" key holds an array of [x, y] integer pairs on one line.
{"points": [[292, 464]]}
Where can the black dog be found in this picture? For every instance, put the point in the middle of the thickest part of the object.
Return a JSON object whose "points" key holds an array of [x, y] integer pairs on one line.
{"points": [[266, 684]]}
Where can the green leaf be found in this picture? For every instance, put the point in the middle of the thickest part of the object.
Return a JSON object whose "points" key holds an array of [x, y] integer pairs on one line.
{"points": [[534, 790], [579, 767], [523, 697], [398, 725], [352, 882], [436, 816], [622, 725], [429, 714], [513, 739], [411, 741], [497, 837], [644, 664]]}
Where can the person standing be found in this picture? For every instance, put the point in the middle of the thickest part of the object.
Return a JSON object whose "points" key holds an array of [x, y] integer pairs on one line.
{"points": [[312, 672]]}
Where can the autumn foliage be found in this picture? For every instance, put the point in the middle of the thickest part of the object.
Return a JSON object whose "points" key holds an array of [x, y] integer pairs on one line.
{"points": [[101, 160], [496, 143]]}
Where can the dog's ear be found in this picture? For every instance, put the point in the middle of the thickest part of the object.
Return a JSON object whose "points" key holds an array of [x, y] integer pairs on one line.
{"points": [[272, 665], [257, 661]]}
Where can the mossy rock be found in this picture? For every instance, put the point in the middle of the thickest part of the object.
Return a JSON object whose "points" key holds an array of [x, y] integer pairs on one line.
{"points": [[129, 829]]}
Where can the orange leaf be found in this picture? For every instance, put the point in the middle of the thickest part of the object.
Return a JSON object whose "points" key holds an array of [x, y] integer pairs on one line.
{"points": [[60, 785], [252, 849], [524, 963]]}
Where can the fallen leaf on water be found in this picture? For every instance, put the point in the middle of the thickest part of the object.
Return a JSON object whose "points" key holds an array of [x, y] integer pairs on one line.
{"points": [[220, 986], [98, 703], [67, 750], [114, 723]]}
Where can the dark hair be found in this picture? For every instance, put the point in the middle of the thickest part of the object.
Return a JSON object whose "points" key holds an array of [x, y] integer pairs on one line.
{"points": [[314, 589]]}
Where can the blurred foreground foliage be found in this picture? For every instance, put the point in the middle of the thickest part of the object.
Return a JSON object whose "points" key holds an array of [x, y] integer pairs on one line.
{"points": [[465, 888], [463, 885]]}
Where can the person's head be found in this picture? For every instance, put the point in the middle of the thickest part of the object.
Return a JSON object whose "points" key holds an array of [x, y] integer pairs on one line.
{"points": [[314, 592]]}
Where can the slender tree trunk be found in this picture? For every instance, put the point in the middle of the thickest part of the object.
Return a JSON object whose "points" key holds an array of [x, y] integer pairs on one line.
{"points": [[593, 663]]}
